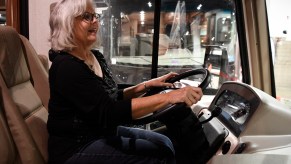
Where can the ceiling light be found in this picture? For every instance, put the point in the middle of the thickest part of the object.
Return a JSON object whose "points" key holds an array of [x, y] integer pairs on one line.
{"points": [[150, 4], [199, 6]]}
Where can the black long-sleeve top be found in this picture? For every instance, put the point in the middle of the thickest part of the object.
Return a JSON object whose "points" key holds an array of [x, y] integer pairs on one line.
{"points": [[82, 105]]}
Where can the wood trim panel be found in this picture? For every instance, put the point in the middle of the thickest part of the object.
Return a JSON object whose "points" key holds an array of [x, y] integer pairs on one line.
{"points": [[12, 14]]}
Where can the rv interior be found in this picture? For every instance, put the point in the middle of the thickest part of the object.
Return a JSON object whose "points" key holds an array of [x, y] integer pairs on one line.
{"points": [[241, 123]]}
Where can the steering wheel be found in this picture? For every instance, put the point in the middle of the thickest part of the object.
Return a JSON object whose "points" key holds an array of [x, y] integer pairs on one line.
{"points": [[173, 110]]}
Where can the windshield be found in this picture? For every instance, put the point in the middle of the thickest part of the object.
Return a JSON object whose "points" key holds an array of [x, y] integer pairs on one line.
{"points": [[189, 34]]}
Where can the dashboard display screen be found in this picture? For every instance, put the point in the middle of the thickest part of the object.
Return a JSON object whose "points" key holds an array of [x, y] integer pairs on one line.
{"points": [[235, 110], [235, 106]]}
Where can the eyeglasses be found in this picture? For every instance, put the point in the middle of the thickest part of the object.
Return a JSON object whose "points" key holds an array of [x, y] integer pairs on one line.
{"points": [[90, 16]]}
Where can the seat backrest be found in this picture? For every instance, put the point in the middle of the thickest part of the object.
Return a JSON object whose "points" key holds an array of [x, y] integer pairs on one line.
{"points": [[38, 66], [24, 96]]}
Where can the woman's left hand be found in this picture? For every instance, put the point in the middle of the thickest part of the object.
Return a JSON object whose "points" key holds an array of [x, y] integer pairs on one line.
{"points": [[160, 81]]}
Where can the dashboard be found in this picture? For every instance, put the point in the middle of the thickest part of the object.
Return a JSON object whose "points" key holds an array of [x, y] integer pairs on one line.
{"points": [[251, 121], [236, 108], [238, 102]]}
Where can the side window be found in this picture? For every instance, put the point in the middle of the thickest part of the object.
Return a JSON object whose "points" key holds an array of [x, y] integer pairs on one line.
{"points": [[280, 39], [192, 34]]}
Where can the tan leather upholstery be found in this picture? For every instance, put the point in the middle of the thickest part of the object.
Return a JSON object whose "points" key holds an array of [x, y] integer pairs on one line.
{"points": [[24, 98], [8, 152], [38, 72]]}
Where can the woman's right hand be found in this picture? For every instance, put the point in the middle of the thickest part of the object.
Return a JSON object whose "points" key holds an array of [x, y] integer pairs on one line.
{"points": [[149, 104], [189, 95]]}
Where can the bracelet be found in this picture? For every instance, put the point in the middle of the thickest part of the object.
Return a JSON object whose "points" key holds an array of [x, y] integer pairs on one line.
{"points": [[145, 87]]}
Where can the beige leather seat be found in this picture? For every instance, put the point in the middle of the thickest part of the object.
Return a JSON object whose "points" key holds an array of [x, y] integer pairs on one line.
{"points": [[8, 152], [24, 100]]}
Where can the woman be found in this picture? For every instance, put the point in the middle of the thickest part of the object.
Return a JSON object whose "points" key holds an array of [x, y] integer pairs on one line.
{"points": [[86, 107]]}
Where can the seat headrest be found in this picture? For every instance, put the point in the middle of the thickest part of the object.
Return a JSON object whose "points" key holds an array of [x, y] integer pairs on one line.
{"points": [[13, 65]]}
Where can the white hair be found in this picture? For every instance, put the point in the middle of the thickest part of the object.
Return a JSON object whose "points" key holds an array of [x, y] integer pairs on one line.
{"points": [[62, 20]]}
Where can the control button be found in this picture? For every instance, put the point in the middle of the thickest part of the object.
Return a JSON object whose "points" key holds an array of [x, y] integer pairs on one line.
{"points": [[225, 147], [240, 148]]}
